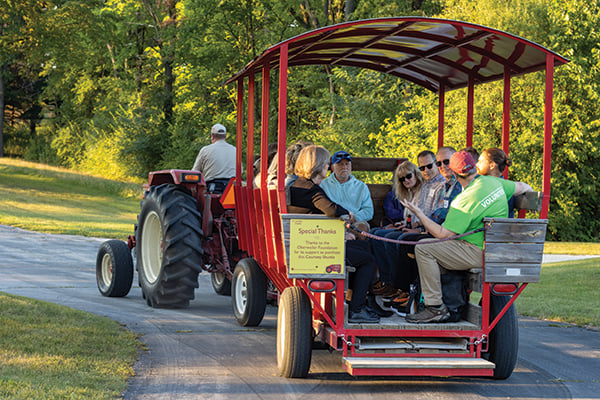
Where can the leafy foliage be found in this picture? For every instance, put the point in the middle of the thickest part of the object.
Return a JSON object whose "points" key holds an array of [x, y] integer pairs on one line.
{"points": [[124, 87]]}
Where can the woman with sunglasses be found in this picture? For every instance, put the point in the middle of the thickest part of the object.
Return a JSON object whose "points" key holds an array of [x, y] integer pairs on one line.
{"points": [[407, 183]]}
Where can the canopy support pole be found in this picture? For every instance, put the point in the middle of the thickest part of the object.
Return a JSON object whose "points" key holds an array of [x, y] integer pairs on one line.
{"points": [[264, 125], [441, 110], [506, 116], [547, 135], [281, 125], [250, 137], [239, 130], [470, 99]]}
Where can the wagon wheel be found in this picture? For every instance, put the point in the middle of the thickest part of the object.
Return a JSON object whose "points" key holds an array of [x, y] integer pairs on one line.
{"points": [[503, 342], [168, 246], [220, 283], [294, 333], [114, 269], [249, 293]]}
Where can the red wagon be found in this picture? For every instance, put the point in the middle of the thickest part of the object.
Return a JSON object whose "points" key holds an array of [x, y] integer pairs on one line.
{"points": [[439, 55]]}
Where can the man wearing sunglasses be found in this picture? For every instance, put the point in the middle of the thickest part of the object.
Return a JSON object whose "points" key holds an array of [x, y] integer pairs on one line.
{"points": [[431, 192]]}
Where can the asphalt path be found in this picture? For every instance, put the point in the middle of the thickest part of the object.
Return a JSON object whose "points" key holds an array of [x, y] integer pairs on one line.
{"points": [[201, 352]]}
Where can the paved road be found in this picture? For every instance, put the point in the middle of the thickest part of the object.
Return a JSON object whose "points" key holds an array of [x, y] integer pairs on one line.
{"points": [[201, 352]]}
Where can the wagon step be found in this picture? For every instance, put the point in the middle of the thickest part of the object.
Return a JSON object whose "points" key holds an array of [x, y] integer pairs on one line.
{"points": [[411, 345], [418, 366]]}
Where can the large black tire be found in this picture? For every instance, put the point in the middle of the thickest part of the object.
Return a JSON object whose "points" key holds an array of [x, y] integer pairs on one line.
{"points": [[503, 342], [220, 283], [248, 293], [114, 269], [168, 246], [294, 333]]}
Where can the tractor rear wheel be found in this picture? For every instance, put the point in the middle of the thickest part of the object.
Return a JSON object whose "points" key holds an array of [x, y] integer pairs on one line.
{"points": [[114, 269], [249, 293], [294, 333], [503, 342], [168, 246]]}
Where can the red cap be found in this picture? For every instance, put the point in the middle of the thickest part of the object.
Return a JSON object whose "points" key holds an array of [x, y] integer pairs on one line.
{"points": [[461, 162]]}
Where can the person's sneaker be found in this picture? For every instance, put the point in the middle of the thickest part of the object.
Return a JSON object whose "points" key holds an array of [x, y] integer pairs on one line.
{"points": [[383, 289], [362, 317], [430, 314], [398, 296], [374, 308], [401, 305]]}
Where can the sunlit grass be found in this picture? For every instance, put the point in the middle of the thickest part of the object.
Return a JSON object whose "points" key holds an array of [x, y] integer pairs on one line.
{"points": [[567, 292], [574, 248], [49, 351], [53, 200]]}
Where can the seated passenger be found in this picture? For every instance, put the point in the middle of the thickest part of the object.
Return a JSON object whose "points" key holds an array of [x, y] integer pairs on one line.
{"points": [[307, 197], [291, 155], [393, 211], [493, 162], [271, 153], [344, 189], [466, 214], [407, 184]]}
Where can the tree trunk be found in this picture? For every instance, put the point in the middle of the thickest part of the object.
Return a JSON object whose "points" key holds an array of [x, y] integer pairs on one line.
{"points": [[169, 79], [2, 69], [349, 7]]}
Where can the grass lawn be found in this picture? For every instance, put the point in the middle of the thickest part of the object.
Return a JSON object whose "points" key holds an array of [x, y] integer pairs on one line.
{"points": [[567, 292], [573, 248], [49, 351], [47, 199]]}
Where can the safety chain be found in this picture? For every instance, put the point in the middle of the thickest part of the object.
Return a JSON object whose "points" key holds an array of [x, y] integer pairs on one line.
{"points": [[478, 342], [348, 343]]}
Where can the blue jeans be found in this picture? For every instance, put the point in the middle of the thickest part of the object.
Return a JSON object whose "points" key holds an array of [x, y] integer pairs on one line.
{"points": [[384, 257]]}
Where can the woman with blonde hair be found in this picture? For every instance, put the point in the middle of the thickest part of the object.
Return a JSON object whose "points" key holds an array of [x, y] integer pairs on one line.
{"points": [[406, 184], [307, 197]]}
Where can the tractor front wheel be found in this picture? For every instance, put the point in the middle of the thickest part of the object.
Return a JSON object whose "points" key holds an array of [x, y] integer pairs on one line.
{"points": [[220, 283], [114, 269]]}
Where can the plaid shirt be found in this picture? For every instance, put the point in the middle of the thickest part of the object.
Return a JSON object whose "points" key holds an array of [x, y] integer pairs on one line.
{"points": [[432, 195], [450, 190]]}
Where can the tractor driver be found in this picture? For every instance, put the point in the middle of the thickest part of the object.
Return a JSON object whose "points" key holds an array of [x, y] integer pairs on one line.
{"points": [[217, 160]]}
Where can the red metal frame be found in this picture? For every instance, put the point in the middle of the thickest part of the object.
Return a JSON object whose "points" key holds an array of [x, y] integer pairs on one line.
{"points": [[465, 56]]}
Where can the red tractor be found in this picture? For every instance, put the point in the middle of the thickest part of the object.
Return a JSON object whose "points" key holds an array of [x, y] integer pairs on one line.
{"points": [[181, 230]]}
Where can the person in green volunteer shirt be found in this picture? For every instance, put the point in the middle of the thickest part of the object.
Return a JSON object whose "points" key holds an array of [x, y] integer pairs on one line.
{"points": [[482, 196]]}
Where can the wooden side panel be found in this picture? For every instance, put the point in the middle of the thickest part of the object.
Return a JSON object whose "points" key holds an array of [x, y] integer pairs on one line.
{"points": [[512, 273], [378, 192], [515, 230], [376, 164]]}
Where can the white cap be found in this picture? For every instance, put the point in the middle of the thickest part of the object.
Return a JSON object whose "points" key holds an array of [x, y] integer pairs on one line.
{"points": [[218, 129]]}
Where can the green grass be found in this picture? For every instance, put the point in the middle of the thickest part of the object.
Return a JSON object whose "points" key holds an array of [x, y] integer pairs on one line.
{"points": [[49, 351], [574, 248], [567, 292], [54, 200]]}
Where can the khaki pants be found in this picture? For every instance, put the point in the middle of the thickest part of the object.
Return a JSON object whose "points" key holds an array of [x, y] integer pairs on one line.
{"points": [[451, 254]]}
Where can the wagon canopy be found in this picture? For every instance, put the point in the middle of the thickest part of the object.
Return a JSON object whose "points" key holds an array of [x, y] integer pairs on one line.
{"points": [[430, 52]]}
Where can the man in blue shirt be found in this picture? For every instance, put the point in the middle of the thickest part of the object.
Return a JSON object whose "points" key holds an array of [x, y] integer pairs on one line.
{"points": [[347, 191]]}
